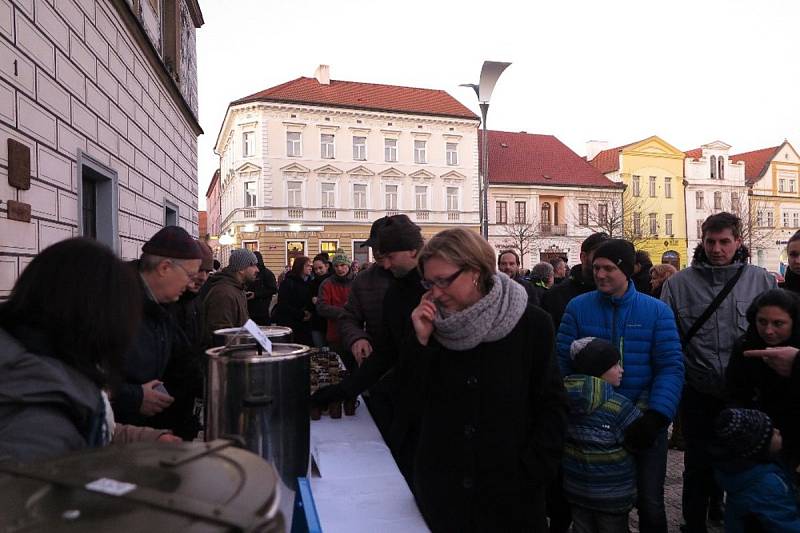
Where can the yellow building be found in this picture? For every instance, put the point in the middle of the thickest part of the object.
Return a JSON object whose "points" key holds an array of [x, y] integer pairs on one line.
{"points": [[653, 202]]}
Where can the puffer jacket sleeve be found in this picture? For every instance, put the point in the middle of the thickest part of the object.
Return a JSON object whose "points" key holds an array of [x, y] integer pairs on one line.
{"points": [[567, 332], [666, 363], [351, 323], [774, 505]]}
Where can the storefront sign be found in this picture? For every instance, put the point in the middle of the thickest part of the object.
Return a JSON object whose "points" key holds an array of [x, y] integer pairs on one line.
{"points": [[295, 228]]}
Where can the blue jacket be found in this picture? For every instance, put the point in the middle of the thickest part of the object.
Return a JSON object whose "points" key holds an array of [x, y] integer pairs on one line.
{"points": [[644, 331], [764, 491], [599, 474]]}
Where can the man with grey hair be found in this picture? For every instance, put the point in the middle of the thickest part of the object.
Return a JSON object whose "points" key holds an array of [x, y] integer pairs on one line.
{"points": [[226, 303], [542, 275], [169, 264]]}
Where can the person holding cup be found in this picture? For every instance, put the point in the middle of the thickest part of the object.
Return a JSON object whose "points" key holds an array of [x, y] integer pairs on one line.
{"points": [[494, 414]]}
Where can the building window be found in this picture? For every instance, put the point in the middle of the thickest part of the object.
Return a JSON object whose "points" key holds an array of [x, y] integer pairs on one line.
{"points": [[546, 219], [359, 196], [360, 148], [653, 224], [248, 143], [420, 152], [602, 213], [390, 150], [795, 219], [652, 186], [668, 187], [326, 150], [294, 147], [699, 229], [250, 245], [781, 185], [329, 247], [328, 195], [721, 167], [668, 225], [502, 212], [785, 219], [760, 217], [452, 154], [717, 200], [521, 216], [636, 186], [770, 219], [294, 249], [250, 199], [452, 198], [391, 197], [97, 196], [735, 207], [583, 214], [421, 197], [637, 223], [713, 164], [698, 199], [791, 185], [294, 193]]}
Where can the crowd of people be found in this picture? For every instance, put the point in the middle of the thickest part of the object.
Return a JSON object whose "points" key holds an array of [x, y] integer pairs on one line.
{"points": [[511, 400]]}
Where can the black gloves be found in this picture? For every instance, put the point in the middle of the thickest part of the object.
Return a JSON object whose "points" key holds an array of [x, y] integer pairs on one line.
{"points": [[643, 432], [328, 395]]}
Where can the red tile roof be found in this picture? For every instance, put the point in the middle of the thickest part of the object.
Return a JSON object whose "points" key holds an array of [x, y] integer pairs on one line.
{"points": [[756, 162], [697, 153], [534, 159], [357, 95], [214, 180]]}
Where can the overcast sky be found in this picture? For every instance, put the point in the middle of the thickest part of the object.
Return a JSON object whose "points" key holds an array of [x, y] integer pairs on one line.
{"points": [[689, 71]]}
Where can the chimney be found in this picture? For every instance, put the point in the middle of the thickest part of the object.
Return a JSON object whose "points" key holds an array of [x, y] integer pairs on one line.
{"points": [[323, 74], [595, 147]]}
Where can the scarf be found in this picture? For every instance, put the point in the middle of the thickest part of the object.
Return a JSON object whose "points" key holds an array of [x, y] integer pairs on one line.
{"points": [[489, 319]]}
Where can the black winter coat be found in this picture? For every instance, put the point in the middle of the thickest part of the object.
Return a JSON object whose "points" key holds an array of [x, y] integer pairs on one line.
{"points": [[791, 282], [263, 288], [642, 279], [317, 322], [146, 360], [555, 300], [492, 430], [294, 298], [752, 384]]}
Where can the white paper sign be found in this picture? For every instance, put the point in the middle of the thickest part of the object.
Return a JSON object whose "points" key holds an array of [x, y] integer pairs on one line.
{"points": [[261, 337], [110, 486]]}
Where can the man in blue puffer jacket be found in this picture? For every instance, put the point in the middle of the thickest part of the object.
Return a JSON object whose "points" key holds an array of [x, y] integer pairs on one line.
{"points": [[643, 329]]}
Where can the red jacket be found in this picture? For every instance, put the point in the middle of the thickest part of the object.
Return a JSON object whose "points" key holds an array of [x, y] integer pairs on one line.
{"points": [[332, 296]]}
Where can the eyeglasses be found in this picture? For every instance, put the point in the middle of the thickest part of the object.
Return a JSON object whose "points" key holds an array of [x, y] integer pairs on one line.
{"points": [[190, 275], [441, 283]]}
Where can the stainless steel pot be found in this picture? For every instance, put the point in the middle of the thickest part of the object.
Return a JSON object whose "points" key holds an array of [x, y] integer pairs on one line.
{"points": [[263, 401], [233, 336]]}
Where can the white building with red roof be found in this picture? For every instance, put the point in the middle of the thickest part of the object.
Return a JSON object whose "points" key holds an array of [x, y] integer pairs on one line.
{"points": [[544, 198], [308, 165], [773, 177], [714, 183]]}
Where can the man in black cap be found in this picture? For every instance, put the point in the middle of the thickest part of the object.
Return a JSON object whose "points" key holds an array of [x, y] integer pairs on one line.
{"points": [[580, 280], [226, 304], [398, 242], [643, 330], [169, 264]]}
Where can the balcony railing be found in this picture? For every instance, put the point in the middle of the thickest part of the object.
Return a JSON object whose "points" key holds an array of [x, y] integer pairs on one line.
{"points": [[453, 216], [552, 229], [423, 215], [295, 212], [249, 213], [329, 213], [392, 212], [277, 216], [361, 214]]}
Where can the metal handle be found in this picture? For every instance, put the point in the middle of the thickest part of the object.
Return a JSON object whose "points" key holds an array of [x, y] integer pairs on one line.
{"points": [[257, 401]]}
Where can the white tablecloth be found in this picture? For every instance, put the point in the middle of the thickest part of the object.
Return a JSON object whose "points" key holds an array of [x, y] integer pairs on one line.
{"points": [[360, 488]]}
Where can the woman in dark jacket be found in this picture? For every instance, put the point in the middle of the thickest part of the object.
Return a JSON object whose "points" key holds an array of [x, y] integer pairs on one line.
{"points": [[64, 331], [263, 288], [754, 379], [295, 301], [792, 275], [494, 407]]}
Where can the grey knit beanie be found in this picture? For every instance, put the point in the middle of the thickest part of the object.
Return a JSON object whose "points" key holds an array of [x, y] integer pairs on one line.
{"points": [[241, 258]]}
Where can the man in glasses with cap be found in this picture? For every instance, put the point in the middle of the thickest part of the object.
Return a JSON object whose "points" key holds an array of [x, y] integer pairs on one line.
{"points": [[169, 263]]}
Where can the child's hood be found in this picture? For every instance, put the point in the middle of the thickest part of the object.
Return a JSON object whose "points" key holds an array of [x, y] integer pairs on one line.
{"points": [[586, 394]]}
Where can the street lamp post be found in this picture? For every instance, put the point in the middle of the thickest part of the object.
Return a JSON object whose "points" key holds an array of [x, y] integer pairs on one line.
{"points": [[490, 73]]}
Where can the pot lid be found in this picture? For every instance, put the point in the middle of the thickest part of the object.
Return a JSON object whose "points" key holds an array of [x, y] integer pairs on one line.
{"points": [[270, 331], [250, 352]]}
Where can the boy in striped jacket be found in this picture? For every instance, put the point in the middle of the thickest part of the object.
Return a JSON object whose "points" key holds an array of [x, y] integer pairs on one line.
{"points": [[599, 474]]}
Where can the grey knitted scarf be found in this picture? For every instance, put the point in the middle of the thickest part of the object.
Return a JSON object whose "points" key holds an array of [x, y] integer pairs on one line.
{"points": [[489, 319]]}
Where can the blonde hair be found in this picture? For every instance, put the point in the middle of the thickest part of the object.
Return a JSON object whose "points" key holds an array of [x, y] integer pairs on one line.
{"points": [[664, 271], [465, 249]]}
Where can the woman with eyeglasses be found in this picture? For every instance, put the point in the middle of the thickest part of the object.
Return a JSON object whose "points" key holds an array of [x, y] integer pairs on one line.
{"points": [[495, 412]]}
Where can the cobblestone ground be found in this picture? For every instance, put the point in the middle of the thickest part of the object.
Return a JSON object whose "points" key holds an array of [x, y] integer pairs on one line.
{"points": [[672, 496]]}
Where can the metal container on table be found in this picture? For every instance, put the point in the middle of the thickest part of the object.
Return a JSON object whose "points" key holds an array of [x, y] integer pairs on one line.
{"points": [[232, 336], [262, 400]]}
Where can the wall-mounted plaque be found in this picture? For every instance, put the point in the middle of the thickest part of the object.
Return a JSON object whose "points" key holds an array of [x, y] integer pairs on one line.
{"points": [[19, 165]]}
